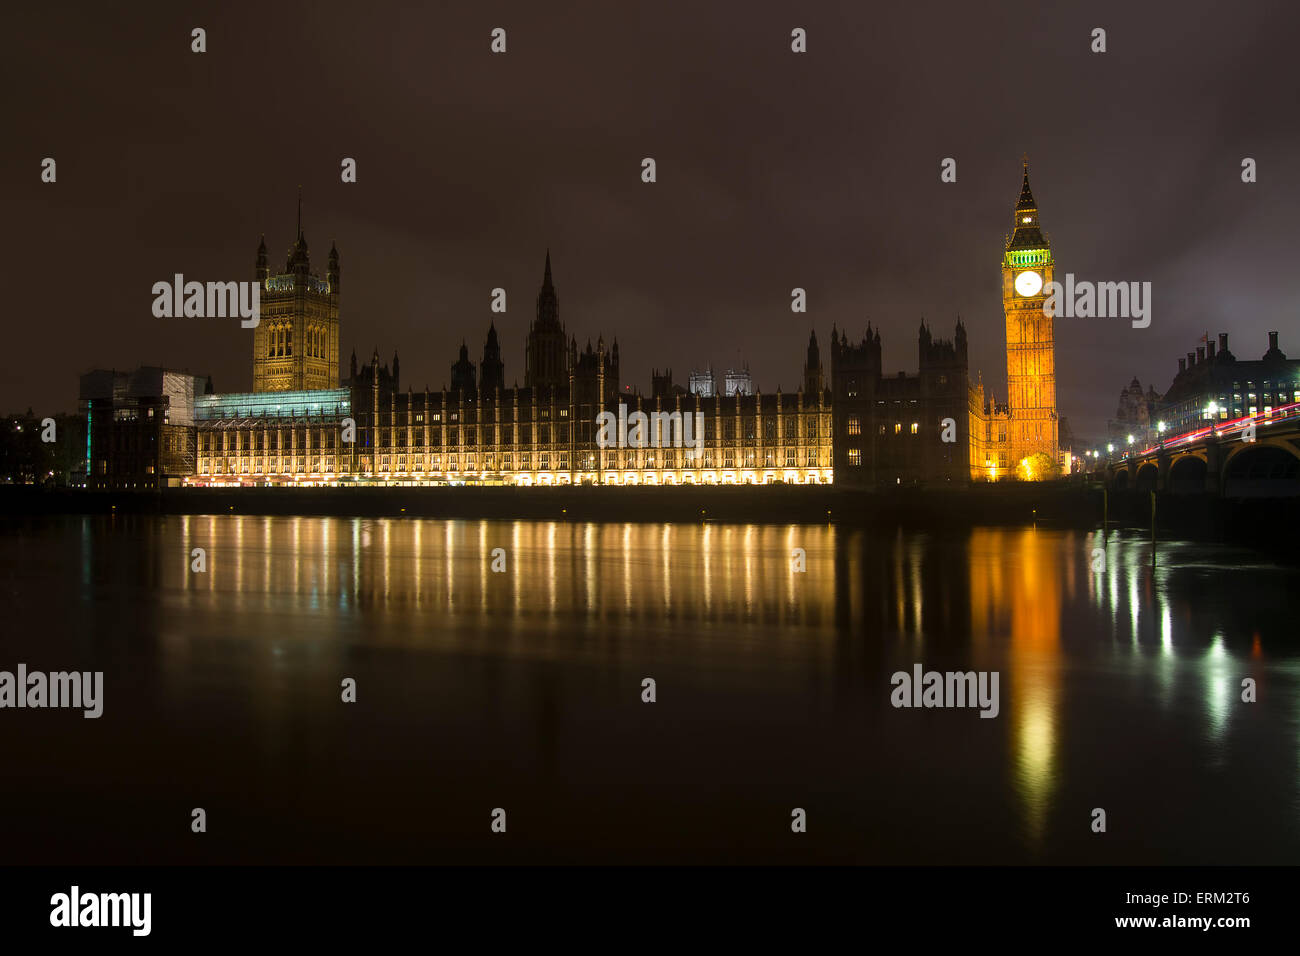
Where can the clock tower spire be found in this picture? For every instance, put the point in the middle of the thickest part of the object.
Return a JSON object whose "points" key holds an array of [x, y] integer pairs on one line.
{"points": [[1027, 271]]}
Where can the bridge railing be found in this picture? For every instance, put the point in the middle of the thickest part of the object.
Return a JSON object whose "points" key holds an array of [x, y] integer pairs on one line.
{"points": [[1220, 430]]}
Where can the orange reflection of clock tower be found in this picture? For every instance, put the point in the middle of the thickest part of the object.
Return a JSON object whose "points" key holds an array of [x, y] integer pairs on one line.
{"points": [[1027, 270]]}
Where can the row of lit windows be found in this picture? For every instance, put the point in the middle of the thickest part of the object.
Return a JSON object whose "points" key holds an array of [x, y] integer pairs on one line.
{"points": [[1266, 386], [648, 459], [748, 425], [466, 435], [543, 479]]}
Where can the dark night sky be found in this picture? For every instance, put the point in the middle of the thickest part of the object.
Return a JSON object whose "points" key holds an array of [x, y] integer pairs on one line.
{"points": [[775, 170]]}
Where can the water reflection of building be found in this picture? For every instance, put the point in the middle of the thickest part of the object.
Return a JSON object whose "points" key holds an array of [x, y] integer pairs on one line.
{"points": [[1016, 597], [564, 570]]}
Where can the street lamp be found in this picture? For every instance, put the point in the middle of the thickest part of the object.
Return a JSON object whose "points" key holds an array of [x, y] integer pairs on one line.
{"points": [[1160, 427]]}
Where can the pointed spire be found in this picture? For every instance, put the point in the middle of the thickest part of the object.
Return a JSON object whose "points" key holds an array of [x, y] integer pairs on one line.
{"points": [[1026, 231], [1026, 201], [546, 279], [299, 210], [261, 270]]}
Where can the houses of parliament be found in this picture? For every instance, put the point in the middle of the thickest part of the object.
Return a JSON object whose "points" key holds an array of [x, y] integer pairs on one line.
{"points": [[854, 425]]}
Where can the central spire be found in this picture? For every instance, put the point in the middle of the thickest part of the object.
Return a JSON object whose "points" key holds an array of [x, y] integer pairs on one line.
{"points": [[1026, 231], [1026, 202], [300, 211], [547, 304]]}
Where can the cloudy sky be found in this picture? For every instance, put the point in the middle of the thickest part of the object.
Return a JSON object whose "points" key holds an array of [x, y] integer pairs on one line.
{"points": [[775, 170]]}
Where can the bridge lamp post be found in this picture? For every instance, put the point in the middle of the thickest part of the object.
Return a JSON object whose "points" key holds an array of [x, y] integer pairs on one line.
{"points": [[1211, 412]]}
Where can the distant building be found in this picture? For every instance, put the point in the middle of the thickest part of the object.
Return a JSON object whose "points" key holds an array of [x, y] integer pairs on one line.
{"points": [[1213, 385], [27, 458], [140, 430], [703, 383], [738, 382], [662, 387], [1137, 414]]}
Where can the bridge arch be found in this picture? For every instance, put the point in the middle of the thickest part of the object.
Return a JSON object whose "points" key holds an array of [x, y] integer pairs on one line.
{"points": [[1147, 476], [1268, 468], [1187, 475]]}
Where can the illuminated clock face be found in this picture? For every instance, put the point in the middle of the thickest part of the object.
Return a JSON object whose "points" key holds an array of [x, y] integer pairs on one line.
{"points": [[1029, 283]]}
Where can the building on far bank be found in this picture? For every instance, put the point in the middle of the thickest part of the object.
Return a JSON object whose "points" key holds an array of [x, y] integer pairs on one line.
{"points": [[545, 433], [1137, 414], [1213, 385], [704, 383], [940, 427], [303, 424], [140, 427], [738, 381], [296, 342], [28, 458], [889, 429], [1022, 437]]}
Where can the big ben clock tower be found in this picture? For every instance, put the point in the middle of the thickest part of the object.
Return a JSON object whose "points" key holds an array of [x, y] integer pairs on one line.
{"points": [[1027, 269]]}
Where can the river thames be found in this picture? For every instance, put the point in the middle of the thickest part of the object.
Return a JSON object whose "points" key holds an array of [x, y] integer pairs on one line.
{"points": [[1121, 688]]}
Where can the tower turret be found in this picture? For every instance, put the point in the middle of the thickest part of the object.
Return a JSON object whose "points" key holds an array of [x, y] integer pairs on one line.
{"points": [[296, 341], [547, 356], [813, 380], [492, 371], [462, 373]]}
